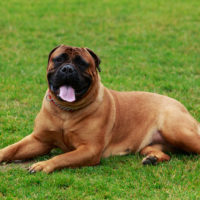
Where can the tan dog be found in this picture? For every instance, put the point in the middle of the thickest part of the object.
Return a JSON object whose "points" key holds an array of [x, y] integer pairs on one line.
{"points": [[88, 121]]}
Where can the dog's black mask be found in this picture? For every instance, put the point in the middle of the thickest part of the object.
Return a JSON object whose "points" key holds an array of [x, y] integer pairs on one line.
{"points": [[68, 77]]}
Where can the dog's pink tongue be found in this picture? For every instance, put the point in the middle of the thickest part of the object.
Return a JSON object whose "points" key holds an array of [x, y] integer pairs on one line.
{"points": [[67, 93]]}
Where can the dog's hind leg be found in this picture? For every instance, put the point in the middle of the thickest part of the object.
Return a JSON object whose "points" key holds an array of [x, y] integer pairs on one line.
{"points": [[182, 131], [154, 154]]}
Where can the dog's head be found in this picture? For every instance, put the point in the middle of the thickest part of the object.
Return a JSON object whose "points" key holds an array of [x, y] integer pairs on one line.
{"points": [[71, 72]]}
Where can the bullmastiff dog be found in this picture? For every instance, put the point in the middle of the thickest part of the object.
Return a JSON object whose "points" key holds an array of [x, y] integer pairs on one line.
{"points": [[89, 121]]}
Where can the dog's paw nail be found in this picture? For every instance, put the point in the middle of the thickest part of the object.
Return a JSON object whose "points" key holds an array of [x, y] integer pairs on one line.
{"points": [[32, 171], [150, 160], [146, 162]]}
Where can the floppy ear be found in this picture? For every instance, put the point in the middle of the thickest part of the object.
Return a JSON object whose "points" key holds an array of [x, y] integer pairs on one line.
{"points": [[52, 52], [96, 59]]}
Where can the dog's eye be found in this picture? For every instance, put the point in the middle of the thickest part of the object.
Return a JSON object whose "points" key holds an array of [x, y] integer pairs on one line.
{"points": [[60, 59], [81, 63]]}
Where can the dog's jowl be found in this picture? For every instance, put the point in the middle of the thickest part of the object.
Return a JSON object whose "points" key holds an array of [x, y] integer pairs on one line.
{"points": [[89, 121]]}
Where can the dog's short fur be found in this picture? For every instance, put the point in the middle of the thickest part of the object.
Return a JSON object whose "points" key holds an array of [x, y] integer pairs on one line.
{"points": [[97, 122]]}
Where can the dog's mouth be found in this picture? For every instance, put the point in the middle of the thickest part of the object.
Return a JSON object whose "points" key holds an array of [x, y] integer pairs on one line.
{"points": [[69, 94]]}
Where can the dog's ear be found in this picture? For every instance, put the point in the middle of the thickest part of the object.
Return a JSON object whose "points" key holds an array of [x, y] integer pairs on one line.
{"points": [[96, 59], [52, 52]]}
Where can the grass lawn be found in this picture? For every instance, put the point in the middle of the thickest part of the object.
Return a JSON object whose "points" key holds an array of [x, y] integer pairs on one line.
{"points": [[143, 45]]}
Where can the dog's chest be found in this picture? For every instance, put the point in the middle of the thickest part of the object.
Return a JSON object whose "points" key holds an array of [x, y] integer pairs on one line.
{"points": [[71, 134]]}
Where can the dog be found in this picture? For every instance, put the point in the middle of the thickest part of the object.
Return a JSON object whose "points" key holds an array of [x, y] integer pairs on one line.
{"points": [[89, 121]]}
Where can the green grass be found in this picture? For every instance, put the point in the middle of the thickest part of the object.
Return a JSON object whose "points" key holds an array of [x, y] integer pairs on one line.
{"points": [[144, 45]]}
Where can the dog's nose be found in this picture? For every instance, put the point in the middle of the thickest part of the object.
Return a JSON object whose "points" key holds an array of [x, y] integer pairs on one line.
{"points": [[68, 69]]}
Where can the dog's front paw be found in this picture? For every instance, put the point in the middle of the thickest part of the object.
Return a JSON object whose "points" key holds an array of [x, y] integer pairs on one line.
{"points": [[45, 166]]}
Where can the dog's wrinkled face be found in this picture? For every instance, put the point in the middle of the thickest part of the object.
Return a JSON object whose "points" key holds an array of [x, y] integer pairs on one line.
{"points": [[69, 72]]}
